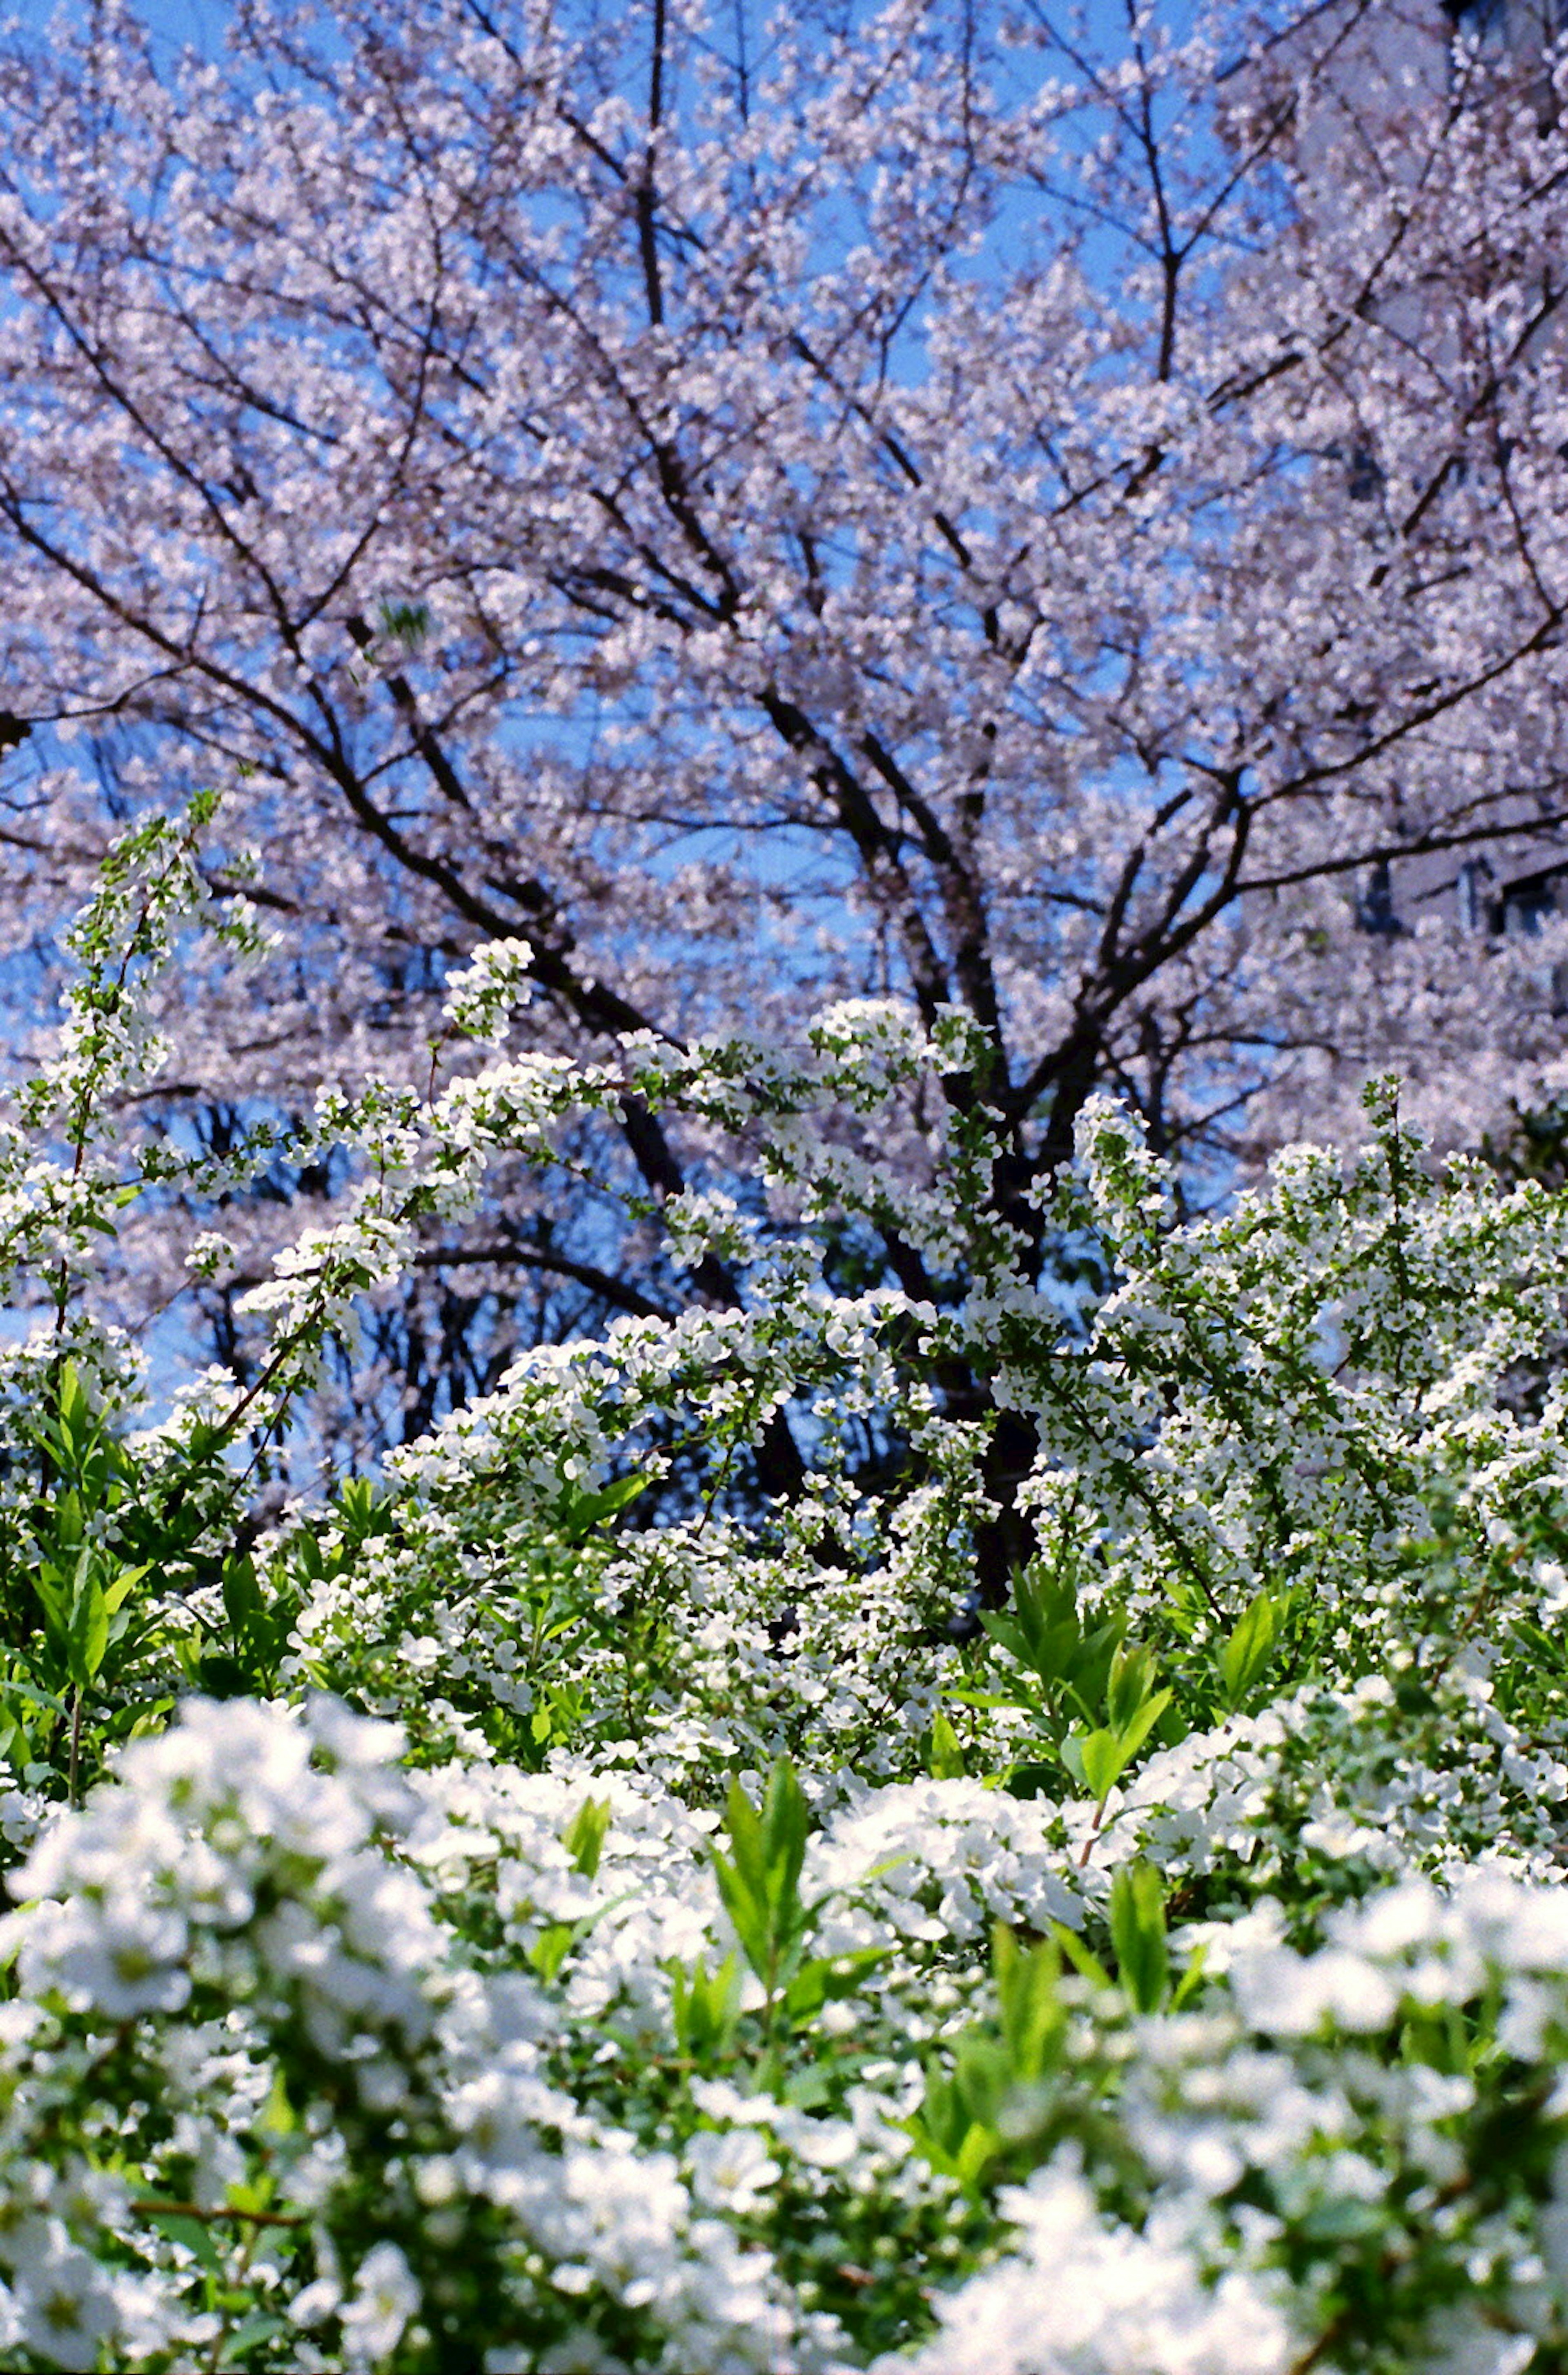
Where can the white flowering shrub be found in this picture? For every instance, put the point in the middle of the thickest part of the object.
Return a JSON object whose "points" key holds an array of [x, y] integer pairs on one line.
{"points": [[558, 1904]]}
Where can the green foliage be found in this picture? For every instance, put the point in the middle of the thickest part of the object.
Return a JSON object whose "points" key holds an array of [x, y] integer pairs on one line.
{"points": [[705, 2011], [759, 1885], [1137, 1934], [585, 1835], [1090, 1692], [1246, 1656]]}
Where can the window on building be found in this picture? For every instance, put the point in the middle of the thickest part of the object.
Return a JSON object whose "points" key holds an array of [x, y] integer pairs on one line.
{"points": [[1375, 908], [1473, 891], [1525, 27], [1481, 20], [1524, 906]]}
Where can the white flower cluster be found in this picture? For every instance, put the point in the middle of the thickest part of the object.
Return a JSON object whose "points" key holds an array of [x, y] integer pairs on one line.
{"points": [[267, 1912], [274, 1879], [1078, 2295], [727, 1937], [482, 997]]}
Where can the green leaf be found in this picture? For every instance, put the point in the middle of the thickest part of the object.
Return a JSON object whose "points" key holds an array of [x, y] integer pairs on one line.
{"points": [[579, 1513], [1033, 2017], [749, 1918], [72, 1417], [947, 1755], [249, 2335], [1086, 1963], [786, 1824], [1007, 1635], [1137, 1934], [706, 2008], [760, 1881], [556, 1941], [1045, 1603], [34, 1696], [278, 2116], [54, 1601], [1191, 1978], [242, 1596], [1133, 1736], [1097, 1653], [748, 1846], [827, 1979], [963, 2160], [362, 1510], [1343, 2220], [550, 1949], [585, 1836], [980, 2145], [1246, 1656], [87, 1637], [1104, 1755], [116, 1593], [193, 2233], [1101, 1755], [1129, 1685], [807, 2089]]}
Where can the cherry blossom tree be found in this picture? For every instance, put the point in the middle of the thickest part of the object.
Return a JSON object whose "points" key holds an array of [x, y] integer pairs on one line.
{"points": [[1059, 520]]}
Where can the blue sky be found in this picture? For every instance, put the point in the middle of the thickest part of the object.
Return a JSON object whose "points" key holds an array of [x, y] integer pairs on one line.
{"points": [[179, 23]]}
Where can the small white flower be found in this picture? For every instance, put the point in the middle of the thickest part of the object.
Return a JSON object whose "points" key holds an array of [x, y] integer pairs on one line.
{"points": [[484, 994], [730, 2169], [386, 2298], [66, 2306], [208, 1252], [121, 1957], [317, 2302], [1285, 1994]]}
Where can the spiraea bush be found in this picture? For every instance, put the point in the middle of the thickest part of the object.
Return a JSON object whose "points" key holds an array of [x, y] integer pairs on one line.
{"points": [[557, 1903]]}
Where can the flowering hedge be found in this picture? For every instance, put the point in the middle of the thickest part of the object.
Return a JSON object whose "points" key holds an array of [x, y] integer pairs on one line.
{"points": [[463, 1921]]}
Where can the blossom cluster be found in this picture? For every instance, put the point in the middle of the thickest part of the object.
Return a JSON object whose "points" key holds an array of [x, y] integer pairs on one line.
{"points": [[331, 2058], [583, 1901]]}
